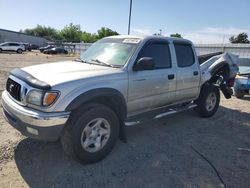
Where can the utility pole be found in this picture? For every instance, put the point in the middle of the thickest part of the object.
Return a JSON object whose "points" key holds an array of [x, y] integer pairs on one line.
{"points": [[129, 19]]}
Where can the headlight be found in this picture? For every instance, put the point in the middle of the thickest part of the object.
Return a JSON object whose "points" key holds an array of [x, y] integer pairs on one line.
{"points": [[35, 97], [39, 98]]}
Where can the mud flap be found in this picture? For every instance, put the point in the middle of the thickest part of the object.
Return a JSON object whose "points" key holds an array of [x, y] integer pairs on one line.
{"points": [[227, 92], [123, 134]]}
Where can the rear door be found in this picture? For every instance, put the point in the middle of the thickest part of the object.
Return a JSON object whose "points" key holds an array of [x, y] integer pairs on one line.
{"points": [[188, 72], [152, 88]]}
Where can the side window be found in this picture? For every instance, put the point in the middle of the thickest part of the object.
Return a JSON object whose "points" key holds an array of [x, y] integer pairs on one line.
{"points": [[159, 52], [184, 54]]}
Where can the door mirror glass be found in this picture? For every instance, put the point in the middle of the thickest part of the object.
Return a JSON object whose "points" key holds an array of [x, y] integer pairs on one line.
{"points": [[145, 63]]}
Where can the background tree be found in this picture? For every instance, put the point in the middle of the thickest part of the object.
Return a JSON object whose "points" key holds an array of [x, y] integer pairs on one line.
{"points": [[240, 38], [88, 37], [105, 32], [42, 31], [177, 35], [71, 33]]}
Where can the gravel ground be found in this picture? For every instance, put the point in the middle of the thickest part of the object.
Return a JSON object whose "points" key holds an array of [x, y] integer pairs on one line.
{"points": [[162, 153]]}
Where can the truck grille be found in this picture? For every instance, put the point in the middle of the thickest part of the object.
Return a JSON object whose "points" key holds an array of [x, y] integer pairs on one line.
{"points": [[14, 89]]}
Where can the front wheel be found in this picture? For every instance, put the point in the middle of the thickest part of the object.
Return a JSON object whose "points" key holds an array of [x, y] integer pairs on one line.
{"points": [[208, 101], [91, 133]]}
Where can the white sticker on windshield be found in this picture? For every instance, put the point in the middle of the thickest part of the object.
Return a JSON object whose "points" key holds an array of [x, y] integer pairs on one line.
{"points": [[134, 41]]}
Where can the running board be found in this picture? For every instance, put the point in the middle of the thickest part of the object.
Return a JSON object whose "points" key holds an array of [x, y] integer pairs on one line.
{"points": [[156, 114]]}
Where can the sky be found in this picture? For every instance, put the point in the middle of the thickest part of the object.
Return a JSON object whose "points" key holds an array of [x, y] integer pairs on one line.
{"points": [[210, 21]]}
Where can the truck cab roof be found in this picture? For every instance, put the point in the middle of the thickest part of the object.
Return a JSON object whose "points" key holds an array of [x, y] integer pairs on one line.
{"points": [[151, 37]]}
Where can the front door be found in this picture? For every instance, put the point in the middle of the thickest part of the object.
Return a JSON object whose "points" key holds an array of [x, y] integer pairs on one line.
{"points": [[152, 88]]}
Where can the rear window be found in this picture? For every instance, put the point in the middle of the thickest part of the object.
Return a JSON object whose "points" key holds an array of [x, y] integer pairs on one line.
{"points": [[14, 44], [184, 54]]}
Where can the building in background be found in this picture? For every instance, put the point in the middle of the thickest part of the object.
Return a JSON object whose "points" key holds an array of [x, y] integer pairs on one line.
{"points": [[13, 36]]}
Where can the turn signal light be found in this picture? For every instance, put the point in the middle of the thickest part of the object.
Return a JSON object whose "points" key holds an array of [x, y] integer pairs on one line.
{"points": [[49, 98]]}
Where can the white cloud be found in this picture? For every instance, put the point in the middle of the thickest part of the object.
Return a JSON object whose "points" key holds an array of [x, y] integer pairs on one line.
{"points": [[224, 31], [206, 35], [142, 31], [213, 34], [207, 38]]}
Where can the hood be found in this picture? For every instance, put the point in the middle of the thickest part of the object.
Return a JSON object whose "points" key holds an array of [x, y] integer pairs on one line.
{"points": [[56, 73]]}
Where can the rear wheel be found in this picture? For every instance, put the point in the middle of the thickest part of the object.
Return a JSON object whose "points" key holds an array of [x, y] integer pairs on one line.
{"points": [[208, 101], [19, 51], [91, 133], [1, 50]]}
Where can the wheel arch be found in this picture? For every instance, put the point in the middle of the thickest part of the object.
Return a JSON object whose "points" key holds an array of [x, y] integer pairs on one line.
{"points": [[107, 96], [220, 69], [19, 49]]}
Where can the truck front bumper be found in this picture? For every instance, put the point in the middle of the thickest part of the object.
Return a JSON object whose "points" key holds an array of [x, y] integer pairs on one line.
{"points": [[39, 125]]}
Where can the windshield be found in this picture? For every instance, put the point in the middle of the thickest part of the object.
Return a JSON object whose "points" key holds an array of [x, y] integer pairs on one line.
{"points": [[110, 51]]}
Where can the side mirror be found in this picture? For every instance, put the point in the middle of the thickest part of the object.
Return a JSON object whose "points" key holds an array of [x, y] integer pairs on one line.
{"points": [[145, 63]]}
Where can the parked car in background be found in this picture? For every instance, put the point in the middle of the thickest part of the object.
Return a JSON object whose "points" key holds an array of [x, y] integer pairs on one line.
{"points": [[27, 46], [56, 50], [12, 46], [34, 46], [46, 48], [242, 82]]}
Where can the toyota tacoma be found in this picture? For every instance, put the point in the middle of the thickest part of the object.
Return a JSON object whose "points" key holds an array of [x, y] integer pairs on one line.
{"points": [[119, 81]]}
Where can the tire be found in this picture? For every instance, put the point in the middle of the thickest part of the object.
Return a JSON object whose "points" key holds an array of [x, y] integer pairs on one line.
{"points": [[80, 140], [1, 50], [208, 101], [239, 94], [19, 51]]}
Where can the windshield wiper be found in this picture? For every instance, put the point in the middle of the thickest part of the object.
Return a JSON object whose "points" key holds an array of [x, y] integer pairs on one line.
{"points": [[81, 60], [102, 63]]}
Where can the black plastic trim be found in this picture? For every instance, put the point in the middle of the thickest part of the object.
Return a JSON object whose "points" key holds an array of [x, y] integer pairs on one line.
{"points": [[29, 79], [97, 93]]}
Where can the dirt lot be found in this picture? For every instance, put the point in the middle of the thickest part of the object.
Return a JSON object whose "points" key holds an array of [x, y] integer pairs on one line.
{"points": [[160, 153]]}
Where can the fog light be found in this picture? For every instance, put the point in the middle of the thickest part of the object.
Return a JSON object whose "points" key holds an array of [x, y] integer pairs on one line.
{"points": [[32, 131]]}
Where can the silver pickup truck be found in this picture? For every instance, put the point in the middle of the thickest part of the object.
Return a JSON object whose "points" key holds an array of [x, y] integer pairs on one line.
{"points": [[119, 81]]}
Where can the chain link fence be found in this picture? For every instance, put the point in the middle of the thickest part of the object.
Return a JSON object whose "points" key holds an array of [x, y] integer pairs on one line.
{"points": [[243, 50]]}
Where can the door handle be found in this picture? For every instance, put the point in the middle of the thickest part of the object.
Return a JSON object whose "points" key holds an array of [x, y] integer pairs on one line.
{"points": [[139, 80], [171, 76], [195, 73]]}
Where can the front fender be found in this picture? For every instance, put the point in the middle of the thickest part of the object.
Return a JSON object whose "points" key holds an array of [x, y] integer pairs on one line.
{"points": [[98, 93]]}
